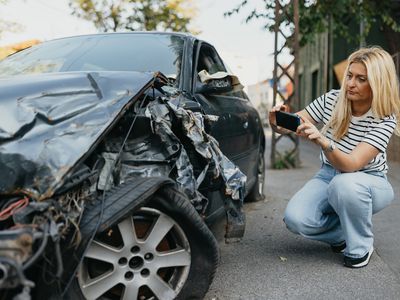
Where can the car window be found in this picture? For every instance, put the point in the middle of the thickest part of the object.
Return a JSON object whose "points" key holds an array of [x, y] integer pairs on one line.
{"points": [[209, 60], [110, 52]]}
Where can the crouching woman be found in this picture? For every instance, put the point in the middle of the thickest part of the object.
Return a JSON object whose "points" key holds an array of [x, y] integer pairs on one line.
{"points": [[337, 204]]}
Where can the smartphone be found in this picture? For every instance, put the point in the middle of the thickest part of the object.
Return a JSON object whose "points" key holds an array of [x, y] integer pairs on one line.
{"points": [[287, 120]]}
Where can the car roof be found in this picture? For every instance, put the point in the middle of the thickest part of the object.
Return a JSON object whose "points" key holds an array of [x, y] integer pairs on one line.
{"points": [[181, 34]]}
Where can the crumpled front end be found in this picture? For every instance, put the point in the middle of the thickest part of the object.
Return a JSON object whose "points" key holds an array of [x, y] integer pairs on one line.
{"points": [[68, 139]]}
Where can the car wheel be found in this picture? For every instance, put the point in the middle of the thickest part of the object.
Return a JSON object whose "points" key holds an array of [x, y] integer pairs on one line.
{"points": [[161, 251], [257, 191]]}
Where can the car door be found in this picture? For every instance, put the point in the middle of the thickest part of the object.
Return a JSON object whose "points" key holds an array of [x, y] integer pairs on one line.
{"points": [[238, 127]]}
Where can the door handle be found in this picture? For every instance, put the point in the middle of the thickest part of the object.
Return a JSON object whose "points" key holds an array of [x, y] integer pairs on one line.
{"points": [[245, 125]]}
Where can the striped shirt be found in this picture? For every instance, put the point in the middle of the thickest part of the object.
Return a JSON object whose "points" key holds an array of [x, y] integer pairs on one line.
{"points": [[367, 128]]}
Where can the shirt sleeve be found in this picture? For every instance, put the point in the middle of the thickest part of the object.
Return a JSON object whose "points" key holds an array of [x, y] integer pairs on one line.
{"points": [[380, 135], [317, 107]]}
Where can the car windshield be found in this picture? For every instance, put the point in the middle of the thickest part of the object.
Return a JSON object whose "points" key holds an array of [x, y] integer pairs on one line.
{"points": [[107, 52]]}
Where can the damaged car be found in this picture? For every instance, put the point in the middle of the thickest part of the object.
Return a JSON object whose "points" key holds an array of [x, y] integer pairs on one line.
{"points": [[119, 155]]}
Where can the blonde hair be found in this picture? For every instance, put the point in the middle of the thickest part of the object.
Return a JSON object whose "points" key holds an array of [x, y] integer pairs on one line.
{"points": [[382, 78]]}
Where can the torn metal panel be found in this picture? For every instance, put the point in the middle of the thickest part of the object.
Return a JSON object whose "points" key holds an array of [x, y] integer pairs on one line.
{"points": [[193, 127], [106, 178], [162, 125], [208, 148], [145, 156], [149, 170], [49, 122]]}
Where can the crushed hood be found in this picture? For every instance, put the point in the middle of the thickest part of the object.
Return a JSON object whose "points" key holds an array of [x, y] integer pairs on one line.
{"points": [[48, 122]]}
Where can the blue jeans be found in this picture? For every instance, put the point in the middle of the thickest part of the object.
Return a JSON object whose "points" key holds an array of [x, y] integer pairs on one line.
{"points": [[334, 207]]}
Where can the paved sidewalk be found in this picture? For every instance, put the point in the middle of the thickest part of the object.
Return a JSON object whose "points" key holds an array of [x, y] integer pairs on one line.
{"points": [[273, 263], [387, 224]]}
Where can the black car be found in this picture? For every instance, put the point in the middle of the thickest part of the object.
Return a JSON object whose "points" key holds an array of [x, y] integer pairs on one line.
{"points": [[118, 153]]}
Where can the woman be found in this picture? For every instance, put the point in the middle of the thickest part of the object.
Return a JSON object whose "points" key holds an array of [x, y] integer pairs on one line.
{"points": [[337, 204]]}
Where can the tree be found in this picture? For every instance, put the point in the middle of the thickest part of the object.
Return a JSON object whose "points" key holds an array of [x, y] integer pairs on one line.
{"points": [[113, 15], [314, 18]]}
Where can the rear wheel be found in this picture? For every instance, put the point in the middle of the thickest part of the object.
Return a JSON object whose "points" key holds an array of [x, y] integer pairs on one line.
{"points": [[257, 191], [161, 251]]}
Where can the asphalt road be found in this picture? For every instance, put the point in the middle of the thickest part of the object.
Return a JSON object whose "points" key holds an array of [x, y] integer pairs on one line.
{"points": [[272, 263]]}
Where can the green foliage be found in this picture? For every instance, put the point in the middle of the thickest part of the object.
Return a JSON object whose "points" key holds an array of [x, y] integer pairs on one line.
{"points": [[132, 15], [285, 161], [314, 16]]}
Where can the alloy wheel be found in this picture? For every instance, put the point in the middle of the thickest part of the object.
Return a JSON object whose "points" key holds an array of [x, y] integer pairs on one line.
{"points": [[145, 256]]}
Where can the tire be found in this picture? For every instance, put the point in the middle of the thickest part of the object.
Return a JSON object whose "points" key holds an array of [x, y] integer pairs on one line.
{"points": [[257, 191], [170, 254]]}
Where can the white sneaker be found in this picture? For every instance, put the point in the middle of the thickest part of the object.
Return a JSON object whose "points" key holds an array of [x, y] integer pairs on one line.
{"points": [[358, 262]]}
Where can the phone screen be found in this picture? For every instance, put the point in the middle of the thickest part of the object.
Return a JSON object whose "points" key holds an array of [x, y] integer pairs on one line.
{"points": [[287, 120]]}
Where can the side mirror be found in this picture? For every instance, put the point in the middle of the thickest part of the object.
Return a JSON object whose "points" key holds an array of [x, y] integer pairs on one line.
{"points": [[219, 82], [214, 86]]}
